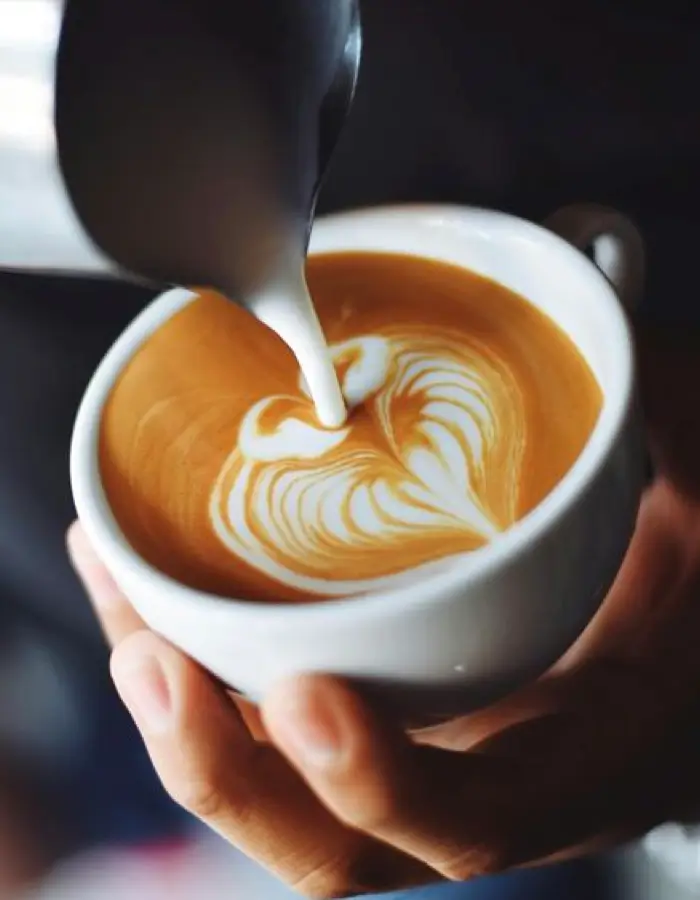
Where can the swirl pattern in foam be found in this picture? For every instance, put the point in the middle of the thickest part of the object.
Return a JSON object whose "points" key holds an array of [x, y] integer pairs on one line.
{"points": [[468, 405], [427, 467]]}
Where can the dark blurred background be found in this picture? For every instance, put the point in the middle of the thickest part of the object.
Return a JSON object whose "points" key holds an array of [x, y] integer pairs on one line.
{"points": [[522, 107]]}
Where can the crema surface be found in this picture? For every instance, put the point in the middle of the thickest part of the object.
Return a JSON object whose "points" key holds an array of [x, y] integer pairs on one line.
{"points": [[467, 406]]}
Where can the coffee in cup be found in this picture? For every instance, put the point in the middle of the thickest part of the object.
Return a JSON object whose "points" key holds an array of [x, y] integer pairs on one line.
{"points": [[467, 407], [468, 632]]}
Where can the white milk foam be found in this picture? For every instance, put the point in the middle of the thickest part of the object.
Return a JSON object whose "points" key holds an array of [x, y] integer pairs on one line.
{"points": [[300, 502], [286, 307]]}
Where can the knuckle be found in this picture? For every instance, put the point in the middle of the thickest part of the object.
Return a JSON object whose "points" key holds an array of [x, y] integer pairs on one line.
{"points": [[198, 795], [370, 812]]}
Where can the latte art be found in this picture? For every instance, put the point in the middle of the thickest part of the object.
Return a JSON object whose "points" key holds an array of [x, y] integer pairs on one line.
{"points": [[466, 407], [427, 467]]}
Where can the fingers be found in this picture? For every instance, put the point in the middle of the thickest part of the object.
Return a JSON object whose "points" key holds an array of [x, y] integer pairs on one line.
{"points": [[373, 779], [541, 790], [435, 807], [212, 766], [205, 749], [117, 617]]}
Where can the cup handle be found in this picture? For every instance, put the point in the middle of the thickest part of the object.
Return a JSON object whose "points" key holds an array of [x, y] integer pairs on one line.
{"points": [[616, 244]]}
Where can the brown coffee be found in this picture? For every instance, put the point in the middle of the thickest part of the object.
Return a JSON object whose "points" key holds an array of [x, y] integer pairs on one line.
{"points": [[468, 406]]}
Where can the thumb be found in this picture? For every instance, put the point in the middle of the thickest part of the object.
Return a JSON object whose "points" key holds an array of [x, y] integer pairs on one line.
{"points": [[375, 780]]}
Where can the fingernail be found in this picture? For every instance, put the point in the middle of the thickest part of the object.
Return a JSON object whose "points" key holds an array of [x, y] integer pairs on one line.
{"points": [[144, 689], [309, 729]]}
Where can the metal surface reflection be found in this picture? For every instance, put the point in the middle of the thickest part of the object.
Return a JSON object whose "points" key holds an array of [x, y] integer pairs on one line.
{"points": [[181, 141]]}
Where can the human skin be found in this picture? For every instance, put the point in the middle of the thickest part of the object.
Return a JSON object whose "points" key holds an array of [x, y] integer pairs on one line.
{"points": [[337, 802]]}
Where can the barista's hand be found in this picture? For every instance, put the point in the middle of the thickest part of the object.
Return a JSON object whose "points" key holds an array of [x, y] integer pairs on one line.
{"points": [[338, 803]]}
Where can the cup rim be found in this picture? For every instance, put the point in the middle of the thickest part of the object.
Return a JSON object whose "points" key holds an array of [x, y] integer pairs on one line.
{"points": [[94, 511]]}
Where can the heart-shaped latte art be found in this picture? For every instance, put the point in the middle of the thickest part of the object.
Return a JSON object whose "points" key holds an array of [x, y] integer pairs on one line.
{"points": [[427, 467]]}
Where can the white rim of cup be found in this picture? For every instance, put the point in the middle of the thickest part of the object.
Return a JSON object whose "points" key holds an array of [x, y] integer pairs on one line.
{"points": [[94, 511]]}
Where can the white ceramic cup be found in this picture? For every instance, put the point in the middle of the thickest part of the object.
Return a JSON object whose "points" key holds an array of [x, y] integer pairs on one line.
{"points": [[502, 616]]}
